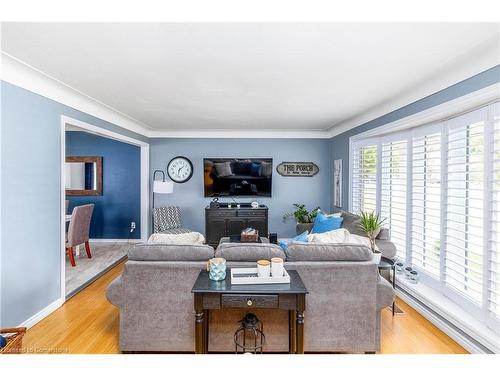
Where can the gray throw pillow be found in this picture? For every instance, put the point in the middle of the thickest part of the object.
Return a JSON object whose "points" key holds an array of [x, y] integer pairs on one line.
{"points": [[248, 252], [223, 169], [352, 223], [169, 252], [297, 252]]}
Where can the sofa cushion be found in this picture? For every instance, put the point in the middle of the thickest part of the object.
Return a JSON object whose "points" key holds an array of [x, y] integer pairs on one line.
{"points": [[250, 252], [327, 252], [169, 252]]}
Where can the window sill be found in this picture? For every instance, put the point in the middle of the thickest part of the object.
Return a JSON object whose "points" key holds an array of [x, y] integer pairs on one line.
{"points": [[449, 317]]}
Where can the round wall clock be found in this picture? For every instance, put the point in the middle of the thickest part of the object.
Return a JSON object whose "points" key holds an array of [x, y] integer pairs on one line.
{"points": [[180, 169]]}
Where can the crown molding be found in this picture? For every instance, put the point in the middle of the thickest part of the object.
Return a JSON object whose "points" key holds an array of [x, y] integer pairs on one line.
{"points": [[28, 77], [220, 133], [479, 59]]}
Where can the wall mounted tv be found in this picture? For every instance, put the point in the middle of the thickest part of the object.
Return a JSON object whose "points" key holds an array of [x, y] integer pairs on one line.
{"points": [[238, 177]]}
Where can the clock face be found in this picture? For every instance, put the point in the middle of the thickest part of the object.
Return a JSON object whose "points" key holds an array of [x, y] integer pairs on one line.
{"points": [[180, 169]]}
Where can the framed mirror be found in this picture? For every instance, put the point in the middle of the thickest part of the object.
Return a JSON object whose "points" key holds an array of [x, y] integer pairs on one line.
{"points": [[83, 175]]}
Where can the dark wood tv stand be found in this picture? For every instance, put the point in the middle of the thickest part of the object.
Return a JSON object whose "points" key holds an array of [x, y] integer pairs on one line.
{"points": [[223, 221]]}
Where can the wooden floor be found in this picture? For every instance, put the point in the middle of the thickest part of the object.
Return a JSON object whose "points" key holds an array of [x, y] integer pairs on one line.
{"points": [[88, 323]]}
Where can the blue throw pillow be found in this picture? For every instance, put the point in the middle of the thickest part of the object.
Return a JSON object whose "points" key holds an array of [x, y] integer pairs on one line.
{"points": [[300, 238], [256, 169], [323, 223]]}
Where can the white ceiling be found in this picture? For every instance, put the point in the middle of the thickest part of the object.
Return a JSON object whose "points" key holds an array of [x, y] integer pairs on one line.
{"points": [[207, 76]]}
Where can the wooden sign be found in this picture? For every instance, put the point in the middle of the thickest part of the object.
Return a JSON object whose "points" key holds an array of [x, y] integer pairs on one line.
{"points": [[297, 169]]}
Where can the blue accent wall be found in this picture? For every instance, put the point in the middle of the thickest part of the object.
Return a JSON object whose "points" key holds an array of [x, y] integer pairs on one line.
{"points": [[339, 145], [31, 159], [312, 191], [120, 202]]}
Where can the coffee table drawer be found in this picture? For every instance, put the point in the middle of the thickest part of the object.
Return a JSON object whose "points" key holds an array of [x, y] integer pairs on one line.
{"points": [[268, 301]]}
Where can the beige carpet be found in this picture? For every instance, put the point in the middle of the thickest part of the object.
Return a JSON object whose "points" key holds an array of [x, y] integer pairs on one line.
{"points": [[104, 256]]}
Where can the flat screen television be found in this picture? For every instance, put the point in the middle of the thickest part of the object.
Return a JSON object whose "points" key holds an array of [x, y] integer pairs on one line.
{"points": [[226, 177]]}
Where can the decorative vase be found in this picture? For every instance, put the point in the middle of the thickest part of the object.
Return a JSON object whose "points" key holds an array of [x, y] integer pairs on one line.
{"points": [[377, 256], [216, 268]]}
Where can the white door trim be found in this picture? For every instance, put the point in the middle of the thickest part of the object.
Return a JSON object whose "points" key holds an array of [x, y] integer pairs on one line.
{"points": [[65, 120]]}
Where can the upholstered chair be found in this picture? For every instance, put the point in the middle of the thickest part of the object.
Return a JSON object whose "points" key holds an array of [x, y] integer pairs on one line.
{"points": [[168, 220], [78, 231]]}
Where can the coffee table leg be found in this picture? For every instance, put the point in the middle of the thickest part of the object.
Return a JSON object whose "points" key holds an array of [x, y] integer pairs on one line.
{"points": [[291, 332]]}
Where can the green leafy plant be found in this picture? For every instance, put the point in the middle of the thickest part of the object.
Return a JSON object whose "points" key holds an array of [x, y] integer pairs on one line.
{"points": [[371, 224], [301, 214]]}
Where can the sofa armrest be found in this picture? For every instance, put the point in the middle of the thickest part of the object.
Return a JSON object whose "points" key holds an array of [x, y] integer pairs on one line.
{"points": [[387, 248], [384, 234], [385, 293], [114, 293]]}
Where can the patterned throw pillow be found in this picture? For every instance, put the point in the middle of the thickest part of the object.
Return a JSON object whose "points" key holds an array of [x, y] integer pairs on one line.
{"points": [[166, 218]]}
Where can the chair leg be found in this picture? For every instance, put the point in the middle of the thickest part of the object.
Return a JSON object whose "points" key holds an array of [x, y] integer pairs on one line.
{"points": [[87, 249], [69, 250]]}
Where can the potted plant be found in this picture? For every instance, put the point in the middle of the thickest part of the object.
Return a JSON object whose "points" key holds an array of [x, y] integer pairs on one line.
{"points": [[371, 224], [303, 217]]}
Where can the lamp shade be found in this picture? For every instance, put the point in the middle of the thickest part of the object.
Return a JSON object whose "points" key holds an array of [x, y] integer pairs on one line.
{"points": [[163, 187]]}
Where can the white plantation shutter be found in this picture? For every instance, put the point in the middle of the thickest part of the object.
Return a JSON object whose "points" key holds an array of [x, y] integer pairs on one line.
{"points": [[393, 191], [464, 238], [426, 202], [364, 178], [493, 294], [438, 186]]}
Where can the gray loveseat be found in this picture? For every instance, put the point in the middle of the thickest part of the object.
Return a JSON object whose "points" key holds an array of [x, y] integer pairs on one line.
{"points": [[346, 295]]}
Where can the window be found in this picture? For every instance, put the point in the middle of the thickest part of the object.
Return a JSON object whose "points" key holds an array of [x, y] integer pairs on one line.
{"points": [[426, 202], [393, 191], [438, 187], [493, 289], [464, 206], [364, 162]]}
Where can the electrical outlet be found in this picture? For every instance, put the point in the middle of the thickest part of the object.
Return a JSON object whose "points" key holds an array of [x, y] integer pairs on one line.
{"points": [[132, 226]]}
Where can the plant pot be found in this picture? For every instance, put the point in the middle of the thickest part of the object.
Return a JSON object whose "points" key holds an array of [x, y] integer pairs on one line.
{"points": [[377, 256], [302, 227]]}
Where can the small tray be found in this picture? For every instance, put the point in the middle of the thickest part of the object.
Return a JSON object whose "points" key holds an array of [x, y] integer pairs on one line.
{"points": [[248, 276]]}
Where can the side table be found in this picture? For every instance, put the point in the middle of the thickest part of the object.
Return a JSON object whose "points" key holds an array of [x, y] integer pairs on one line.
{"points": [[388, 264]]}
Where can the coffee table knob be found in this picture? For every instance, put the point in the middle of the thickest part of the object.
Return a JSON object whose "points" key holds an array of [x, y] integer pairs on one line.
{"points": [[249, 302]]}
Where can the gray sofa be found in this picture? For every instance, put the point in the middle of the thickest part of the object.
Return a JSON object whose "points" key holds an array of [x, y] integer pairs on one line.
{"points": [[346, 294]]}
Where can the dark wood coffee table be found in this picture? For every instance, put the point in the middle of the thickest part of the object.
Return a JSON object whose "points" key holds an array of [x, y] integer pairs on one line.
{"points": [[216, 295]]}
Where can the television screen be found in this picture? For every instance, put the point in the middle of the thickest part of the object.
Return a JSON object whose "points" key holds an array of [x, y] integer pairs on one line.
{"points": [[238, 177]]}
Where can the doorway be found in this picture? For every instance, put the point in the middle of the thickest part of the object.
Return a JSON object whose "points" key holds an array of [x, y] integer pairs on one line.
{"points": [[117, 219]]}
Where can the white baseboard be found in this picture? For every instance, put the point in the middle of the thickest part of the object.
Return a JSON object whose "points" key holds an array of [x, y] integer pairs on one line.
{"points": [[449, 329], [42, 313]]}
